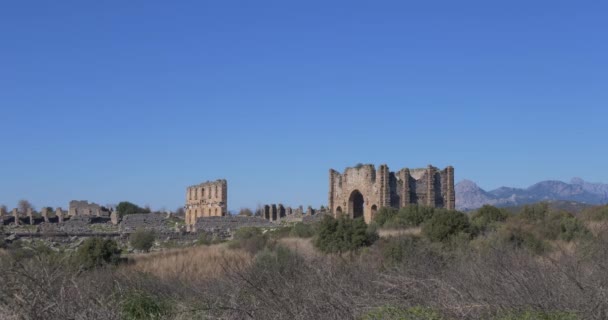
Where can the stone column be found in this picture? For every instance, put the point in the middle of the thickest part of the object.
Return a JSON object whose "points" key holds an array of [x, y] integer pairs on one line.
{"points": [[266, 213], [405, 188], [72, 211], [430, 192], [114, 217], [309, 211], [59, 214], [273, 213], [45, 214], [281, 212], [451, 194], [30, 215], [16, 216]]}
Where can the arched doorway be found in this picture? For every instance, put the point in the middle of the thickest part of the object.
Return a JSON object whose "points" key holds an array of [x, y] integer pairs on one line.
{"points": [[356, 203], [374, 210]]}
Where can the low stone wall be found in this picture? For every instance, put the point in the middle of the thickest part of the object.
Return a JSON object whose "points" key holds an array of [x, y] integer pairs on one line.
{"points": [[231, 223], [148, 221]]}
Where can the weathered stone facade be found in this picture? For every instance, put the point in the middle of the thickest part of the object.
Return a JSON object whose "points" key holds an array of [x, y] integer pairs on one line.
{"points": [[362, 190], [208, 199]]}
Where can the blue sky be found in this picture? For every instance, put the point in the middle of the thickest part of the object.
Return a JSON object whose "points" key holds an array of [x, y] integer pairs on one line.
{"points": [[135, 100]]}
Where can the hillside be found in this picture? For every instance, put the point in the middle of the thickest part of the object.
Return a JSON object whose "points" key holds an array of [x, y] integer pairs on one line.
{"points": [[470, 196]]}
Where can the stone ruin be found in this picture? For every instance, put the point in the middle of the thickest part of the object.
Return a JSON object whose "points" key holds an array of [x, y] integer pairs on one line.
{"points": [[208, 199], [360, 191], [84, 208]]}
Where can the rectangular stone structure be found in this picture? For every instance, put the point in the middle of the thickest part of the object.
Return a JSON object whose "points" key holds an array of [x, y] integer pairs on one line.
{"points": [[207, 199], [59, 214], [45, 214]]}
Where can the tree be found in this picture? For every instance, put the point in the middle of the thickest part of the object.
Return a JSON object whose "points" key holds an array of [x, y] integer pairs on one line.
{"points": [[343, 234], [444, 224], [24, 205], [126, 207], [142, 240], [96, 252], [245, 212], [487, 215]]}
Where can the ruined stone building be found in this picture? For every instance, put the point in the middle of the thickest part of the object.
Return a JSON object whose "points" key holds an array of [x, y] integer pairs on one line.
{"points": [[208, 199], [360, 191], [84, 208]]}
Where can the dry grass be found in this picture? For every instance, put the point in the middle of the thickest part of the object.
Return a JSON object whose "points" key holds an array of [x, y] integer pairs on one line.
{"points": [[301, 246], [202, 262], [387, 233], [597, 227]]}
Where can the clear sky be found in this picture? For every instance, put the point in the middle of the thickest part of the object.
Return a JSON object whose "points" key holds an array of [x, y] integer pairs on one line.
{"points": [[135, 100]]}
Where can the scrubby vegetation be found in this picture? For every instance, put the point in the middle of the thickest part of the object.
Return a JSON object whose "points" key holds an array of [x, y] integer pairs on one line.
{"points": [[538, 263], [142, 240]]}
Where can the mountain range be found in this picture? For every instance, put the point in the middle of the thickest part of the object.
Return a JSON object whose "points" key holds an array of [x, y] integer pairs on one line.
{"points": [[470, 196]]}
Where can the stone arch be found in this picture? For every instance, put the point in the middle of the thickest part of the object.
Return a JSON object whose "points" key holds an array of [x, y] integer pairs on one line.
{"points": [[356, 204], [374, 210], [202, 193], [339, 211]]}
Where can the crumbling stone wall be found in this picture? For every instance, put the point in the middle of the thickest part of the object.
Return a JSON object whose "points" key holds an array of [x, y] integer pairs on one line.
{"points": [[207, 199], [360, 191]]}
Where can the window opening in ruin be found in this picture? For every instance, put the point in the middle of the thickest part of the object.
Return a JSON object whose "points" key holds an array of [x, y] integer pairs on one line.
{"points": [[374, 210], [338, 211], [356, 203]]}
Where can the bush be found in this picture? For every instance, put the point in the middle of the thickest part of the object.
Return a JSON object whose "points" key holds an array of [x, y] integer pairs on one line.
{"points": [[535, 212], [343, 234], [96, 252], [396, 313], [410, 216], [566, 227], [520, 237], [142, 240], [384, 215], [250, 239], [444, 224], [140, 305], [487, 216], [126, 207], [302, 230]]}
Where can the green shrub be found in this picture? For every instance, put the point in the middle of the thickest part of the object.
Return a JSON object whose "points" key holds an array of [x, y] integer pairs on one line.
{"points": [[303, 230], [250, 239], [539, 315], [396, 313], [343, 234], [410, 216], [140, 305], [520, 237], [487, 216], [142, 240], [384, 215], [126, 207], [535, 212], [96, 252], [279, 260], [444, 224], [564, 226]]}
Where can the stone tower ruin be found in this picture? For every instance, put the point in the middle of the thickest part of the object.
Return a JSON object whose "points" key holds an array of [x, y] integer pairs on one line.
{"points": [[208, 199], [360, 191]]}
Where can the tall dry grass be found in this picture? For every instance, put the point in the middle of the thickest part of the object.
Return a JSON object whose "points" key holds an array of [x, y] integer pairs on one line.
{"points": [[202, 262], [301, 246]]}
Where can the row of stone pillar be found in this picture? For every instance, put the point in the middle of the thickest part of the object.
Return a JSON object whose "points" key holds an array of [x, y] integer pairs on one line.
{"points": [[275, 212], [30, 214]]}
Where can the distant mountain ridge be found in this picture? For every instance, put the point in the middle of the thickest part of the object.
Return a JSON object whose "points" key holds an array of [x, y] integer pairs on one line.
{"points": [[470, 196]]}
